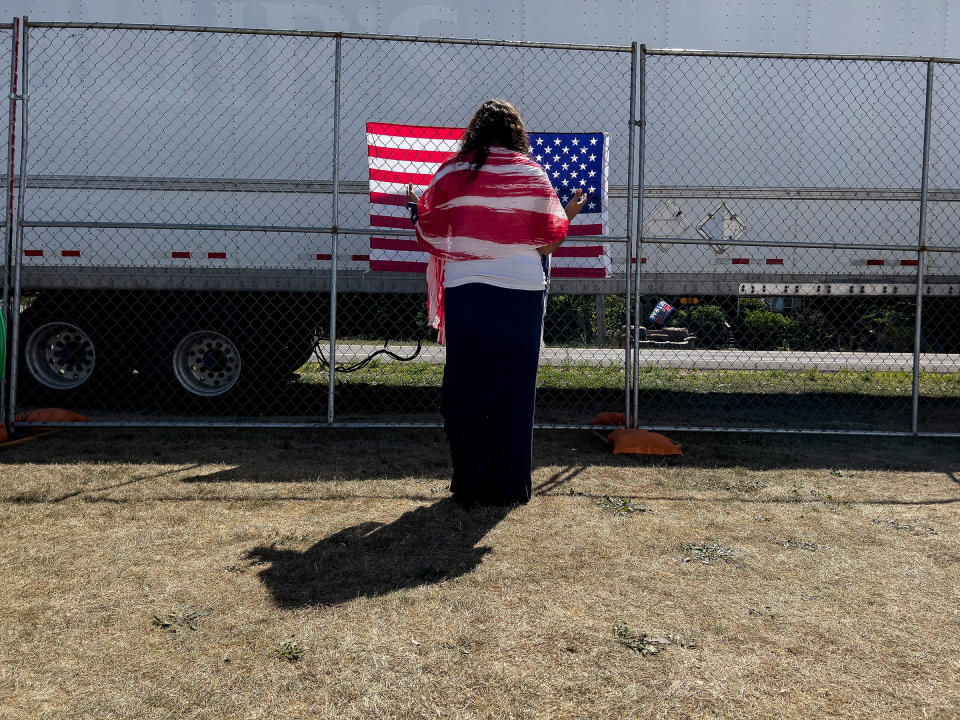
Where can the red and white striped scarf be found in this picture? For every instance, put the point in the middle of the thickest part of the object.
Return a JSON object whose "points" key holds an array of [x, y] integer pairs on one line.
{"points": [[502, 210]]}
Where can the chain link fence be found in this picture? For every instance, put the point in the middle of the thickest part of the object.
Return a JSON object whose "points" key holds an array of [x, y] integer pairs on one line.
{"points": [[205, 238], [939, 326], [211, 230], [783, 195], [8, 50], [440, 85]]}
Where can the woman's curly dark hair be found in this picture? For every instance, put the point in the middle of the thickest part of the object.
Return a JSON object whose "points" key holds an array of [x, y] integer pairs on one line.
{"points": [[496, 122]]}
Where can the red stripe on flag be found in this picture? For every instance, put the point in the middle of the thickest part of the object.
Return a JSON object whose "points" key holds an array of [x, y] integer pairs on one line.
{"points": [[909, 263], [217, 255], [415, 131], [33, 253], [434, 156], [587, 229], [579, 251], [387, 199], [380, 243], [360, 258], [740, 261], [389, 221], [398, 266], [573, 272], [70, 253], [400, 177], [874, 261], [774, 261], [180, 255]]}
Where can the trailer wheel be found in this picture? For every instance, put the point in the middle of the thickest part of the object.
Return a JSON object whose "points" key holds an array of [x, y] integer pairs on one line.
{"points": [[59, 356], [289, 353], [206, 363]]}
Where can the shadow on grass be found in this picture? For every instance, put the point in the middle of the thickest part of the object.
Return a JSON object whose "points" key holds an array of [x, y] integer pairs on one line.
{"points": [[143, 399], [423, 546], [312, 456]]}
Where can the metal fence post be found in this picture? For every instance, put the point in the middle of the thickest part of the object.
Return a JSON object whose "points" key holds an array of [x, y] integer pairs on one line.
{"points": [[921, 247], [629, 246], [334, 223], [638, 307], [16, 250], [6, 307]]}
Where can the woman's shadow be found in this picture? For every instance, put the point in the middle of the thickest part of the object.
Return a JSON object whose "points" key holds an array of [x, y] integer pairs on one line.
{"points": [[426, 545]]}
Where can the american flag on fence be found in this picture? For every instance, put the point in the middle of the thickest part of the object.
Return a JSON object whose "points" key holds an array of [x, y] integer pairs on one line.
{"points": [[661, 313], [401, 154]]}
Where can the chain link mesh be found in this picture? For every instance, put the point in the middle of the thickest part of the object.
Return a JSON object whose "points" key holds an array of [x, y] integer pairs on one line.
{"points": [[819, 163], [197, 165], [178, 211], [440, 84], [179, 207], [939, 380], [6, 49]]}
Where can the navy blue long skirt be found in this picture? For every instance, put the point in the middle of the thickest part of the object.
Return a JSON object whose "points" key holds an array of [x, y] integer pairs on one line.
{"points": [[489, 390]]}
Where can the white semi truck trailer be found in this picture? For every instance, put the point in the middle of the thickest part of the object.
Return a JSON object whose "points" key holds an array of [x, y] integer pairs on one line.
{"points": [[178, 193]]}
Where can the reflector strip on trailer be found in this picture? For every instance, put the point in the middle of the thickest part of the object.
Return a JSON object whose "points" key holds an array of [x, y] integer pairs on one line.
{"points": [[33, 253], [217, 255], [398, 266], [324, 256], [909, 263], [180, 255], [874, 261], [643, 261], [70, 253], [361, 258], [740, 261], [774, 261]]}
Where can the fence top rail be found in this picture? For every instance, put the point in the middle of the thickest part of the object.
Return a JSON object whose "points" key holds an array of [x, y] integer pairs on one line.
{"points": [[796, 56], [345, 35]]}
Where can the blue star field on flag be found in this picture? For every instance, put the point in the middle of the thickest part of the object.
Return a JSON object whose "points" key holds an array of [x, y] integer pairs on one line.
{"points": [[573, 160]]}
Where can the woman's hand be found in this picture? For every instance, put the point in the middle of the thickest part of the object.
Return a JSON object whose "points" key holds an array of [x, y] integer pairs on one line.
{"points": [[572, 209], [548, 249], [411, 195], [576, 204]]}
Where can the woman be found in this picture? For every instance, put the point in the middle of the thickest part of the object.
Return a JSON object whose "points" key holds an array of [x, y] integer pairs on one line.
{"points": [[486, 218]]}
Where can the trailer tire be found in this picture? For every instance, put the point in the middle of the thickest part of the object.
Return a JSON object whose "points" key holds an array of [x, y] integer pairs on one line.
{"points": [[57, 357], [207, 363]]}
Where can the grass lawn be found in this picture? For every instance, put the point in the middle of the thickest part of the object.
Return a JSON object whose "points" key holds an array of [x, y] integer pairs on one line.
{"points": [[589, 376], [180, 574]]}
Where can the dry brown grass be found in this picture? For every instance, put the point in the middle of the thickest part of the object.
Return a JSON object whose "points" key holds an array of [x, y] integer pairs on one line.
{"points": [[301, 575]]}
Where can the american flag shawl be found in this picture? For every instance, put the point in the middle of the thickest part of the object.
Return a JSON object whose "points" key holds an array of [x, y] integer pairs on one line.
{"points": [[507, 207]]}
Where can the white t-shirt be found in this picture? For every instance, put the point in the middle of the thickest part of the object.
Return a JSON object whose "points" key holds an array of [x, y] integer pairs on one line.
{"points": [[520, 272]]}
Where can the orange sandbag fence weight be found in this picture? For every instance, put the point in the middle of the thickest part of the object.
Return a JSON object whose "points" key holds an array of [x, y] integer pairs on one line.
{"points": [[610, 418], [50, 415], [641, 442], [44, 415]]}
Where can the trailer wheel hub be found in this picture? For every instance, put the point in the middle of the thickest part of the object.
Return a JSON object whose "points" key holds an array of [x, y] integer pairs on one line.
{"points": [[60, 356], [206, 363]]}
